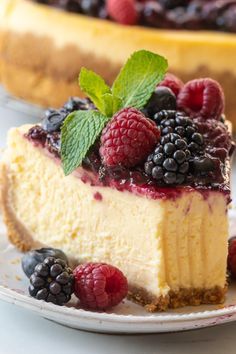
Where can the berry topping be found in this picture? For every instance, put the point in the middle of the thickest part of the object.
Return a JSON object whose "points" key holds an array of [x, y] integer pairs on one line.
{"points": [[32, 258], [99, 286], [52, 281], [128, 138], [76, 103], [90, 7], [162, 98], [37, 135], [123, 11], [202, 97], [232, 257], [169, 163], [172, 82], [53, 120], [176, 14]]}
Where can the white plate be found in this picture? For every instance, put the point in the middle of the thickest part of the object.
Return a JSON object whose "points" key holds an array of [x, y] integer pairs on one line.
{"points": [[125, 318], [18, 105]]}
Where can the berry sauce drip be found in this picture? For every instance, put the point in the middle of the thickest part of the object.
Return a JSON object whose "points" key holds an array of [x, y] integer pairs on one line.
{"points": [[190, 152], [175, 14]]}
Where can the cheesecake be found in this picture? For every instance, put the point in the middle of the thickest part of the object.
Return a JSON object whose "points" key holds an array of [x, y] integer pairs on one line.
{"points": [[149, 195], [50, 62]]}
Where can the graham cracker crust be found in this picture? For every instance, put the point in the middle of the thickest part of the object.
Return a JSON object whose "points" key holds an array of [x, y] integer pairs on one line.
{"points": [[175, 299], [17, 234]]}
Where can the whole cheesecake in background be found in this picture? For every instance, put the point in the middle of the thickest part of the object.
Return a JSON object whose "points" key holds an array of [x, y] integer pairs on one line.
{"points": [[135, 179], [198, 37]]}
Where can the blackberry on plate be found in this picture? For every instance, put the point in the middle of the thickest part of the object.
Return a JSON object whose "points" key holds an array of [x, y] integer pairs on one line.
{"points": [[32, 258], [180, 141], [52, 281]]}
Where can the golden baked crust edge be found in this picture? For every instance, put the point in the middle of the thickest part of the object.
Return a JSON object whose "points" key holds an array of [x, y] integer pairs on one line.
{"points": [[17, 234]]}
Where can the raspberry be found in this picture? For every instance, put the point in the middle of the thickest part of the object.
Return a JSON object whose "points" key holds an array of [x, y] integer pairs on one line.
{"points": [[99, 286], [232, 257], [202, 97], [122, 11], [128, 138], [173, 82]]}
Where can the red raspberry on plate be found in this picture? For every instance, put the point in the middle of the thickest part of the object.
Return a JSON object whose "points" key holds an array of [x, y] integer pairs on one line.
{"points": [[128, 138], [172, 82], [202, 97], [122, 11], [99, 286], [232, 257]]}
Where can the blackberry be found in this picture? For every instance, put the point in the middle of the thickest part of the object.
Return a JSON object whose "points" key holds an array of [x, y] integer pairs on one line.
{"points": [[178, 123], [180, 142], [32, 258], [52, 281], [169, 163]]}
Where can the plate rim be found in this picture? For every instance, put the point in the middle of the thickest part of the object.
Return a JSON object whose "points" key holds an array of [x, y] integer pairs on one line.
{"points": [[33, 304]]}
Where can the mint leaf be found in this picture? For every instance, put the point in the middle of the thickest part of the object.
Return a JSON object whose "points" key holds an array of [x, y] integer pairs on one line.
{"points": [[138, 78], [95, 88], [79, 132]]}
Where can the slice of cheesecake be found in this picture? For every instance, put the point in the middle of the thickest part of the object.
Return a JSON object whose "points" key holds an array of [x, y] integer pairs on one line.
{"points": [[147, 192], [172, 246]]}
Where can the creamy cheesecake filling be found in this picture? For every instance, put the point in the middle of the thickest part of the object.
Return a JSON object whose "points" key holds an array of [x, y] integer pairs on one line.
{"points": [[161, 245]]}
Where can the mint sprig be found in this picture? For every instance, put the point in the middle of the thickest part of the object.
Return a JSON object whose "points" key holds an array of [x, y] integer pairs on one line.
{"points": [[96, 89], [79, 132], [133, 87], [138, 78]]}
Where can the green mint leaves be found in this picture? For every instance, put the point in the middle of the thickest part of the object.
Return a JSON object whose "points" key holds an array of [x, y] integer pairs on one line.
{"points": [[133, 87], [97, 90], [79, 133], [138, 78]]}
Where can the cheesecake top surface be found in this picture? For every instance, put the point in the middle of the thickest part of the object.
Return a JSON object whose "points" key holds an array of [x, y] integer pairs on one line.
{"points": [[149, 134], [169, 14]]}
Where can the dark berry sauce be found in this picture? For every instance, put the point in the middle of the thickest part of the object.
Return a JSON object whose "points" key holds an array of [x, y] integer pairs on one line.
{"points": [[219, 15], [192, 154]]}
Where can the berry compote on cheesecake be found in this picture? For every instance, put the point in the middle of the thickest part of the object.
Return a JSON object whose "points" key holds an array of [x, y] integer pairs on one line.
{"points": [[182, 14], [136, 175]]}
